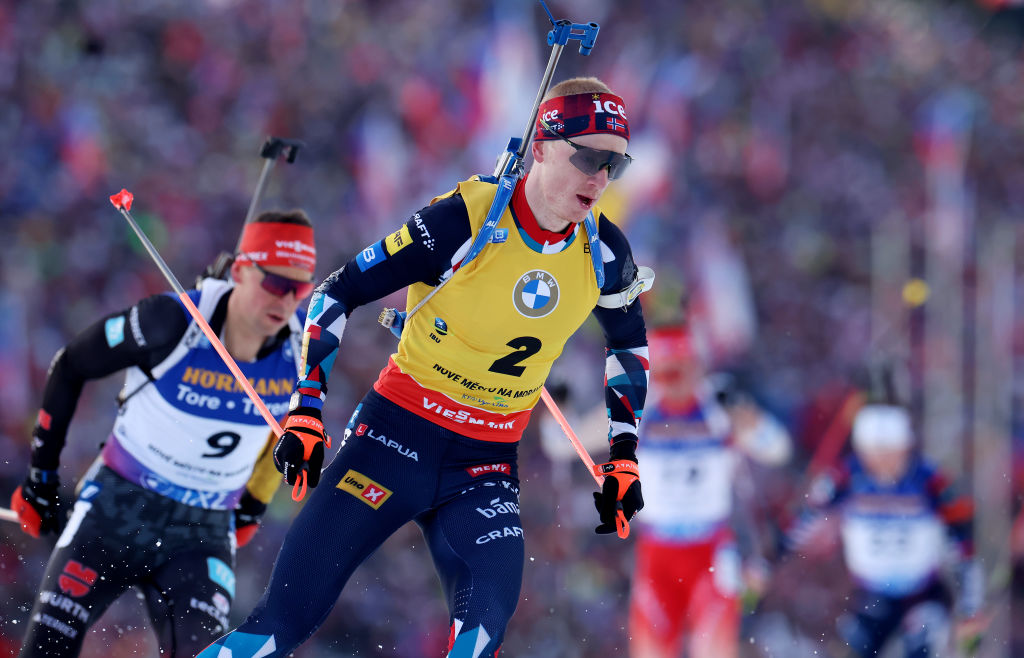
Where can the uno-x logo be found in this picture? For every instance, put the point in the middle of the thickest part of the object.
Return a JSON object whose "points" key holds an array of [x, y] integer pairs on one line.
{"points": [[364, 489], [76, 580]]}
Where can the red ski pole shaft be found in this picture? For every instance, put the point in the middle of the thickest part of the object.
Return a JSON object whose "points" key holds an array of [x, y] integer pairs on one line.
{"points": [[621, 522]]}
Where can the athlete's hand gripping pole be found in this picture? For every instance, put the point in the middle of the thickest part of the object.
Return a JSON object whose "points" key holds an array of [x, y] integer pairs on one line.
{"points": [[123, 202], [621, 522]]}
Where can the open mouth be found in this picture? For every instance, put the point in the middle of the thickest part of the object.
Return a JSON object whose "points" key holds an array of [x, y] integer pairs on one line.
{"points": [[585, 202]]}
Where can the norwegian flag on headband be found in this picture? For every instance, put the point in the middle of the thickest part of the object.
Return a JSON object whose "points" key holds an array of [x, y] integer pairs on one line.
{"points": [[581, 114]]}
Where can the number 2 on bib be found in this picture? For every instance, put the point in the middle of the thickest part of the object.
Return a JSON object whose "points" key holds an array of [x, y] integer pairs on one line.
{"points": [[525, 347]]}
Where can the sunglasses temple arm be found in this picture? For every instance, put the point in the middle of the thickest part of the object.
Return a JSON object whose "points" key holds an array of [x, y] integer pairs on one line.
{"points": [[123, 201]]}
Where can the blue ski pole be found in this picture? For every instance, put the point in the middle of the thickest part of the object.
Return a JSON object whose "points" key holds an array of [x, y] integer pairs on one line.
{"points": [[510, 169]]}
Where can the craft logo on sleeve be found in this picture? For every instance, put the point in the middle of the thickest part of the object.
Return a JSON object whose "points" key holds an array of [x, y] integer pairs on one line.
{"points": [[397, 241], [365, 489]]}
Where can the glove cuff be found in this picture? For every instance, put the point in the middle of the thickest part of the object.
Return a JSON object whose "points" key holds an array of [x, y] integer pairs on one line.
{"points": [[617, 466], [623, 448], [305, 420], [45, 450], [307, 394], [250, 504], [309, 412], [43, 476]]}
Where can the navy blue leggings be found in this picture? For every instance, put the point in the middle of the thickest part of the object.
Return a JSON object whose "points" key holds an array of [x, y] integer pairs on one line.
{"points": [[922, 620], [393, 467]]}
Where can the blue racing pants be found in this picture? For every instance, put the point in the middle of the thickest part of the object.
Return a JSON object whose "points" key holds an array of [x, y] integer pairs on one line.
{"points": [[922, 621], [394, 467]]}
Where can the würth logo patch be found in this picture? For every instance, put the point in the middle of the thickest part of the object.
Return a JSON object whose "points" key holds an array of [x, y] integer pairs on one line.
{"points": [[480, 469], [76, 579], [364, 489]]}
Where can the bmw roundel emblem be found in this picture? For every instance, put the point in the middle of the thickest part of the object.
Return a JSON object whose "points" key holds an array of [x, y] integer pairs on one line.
{"points": [[535, 294]]}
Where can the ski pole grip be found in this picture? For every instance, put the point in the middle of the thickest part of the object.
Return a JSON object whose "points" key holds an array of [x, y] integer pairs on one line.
{"points": [[274, 146], [565, 31]]}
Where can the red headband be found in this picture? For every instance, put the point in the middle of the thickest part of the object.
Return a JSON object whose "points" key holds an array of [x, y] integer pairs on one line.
{"points": [[582, 114], [277, 243]]}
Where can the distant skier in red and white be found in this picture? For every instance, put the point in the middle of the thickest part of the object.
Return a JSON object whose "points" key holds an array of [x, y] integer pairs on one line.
{"points": [[689, 571]]}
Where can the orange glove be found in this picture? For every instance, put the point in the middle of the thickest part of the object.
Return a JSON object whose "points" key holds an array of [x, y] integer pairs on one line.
{"points": [[301, 447], [621, 491]]}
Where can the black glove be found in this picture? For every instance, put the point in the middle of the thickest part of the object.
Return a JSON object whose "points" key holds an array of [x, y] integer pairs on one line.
{"points": [[37, 503], [247, 518], [621, 491], [301, 447]]}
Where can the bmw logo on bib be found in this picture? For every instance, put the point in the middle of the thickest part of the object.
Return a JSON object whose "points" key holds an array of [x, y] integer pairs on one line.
{"points": [[536, 294]]}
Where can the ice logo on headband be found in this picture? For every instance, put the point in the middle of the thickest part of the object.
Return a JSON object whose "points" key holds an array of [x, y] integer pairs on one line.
{"points": [[552, 121], [610, 107]]}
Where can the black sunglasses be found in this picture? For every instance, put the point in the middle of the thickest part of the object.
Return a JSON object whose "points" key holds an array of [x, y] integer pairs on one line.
{"points": [[279, 286], [590, 161]]}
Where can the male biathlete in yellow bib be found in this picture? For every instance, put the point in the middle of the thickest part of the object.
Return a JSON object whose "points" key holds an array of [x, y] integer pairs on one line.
{"points": [[435, 440]]}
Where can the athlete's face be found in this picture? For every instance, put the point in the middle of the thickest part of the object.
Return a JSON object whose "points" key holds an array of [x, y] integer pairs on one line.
{"points": [[262, 310], [569, 194], [885, 464]]}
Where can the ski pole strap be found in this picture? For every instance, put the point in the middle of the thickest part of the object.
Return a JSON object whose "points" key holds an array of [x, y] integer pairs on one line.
{"points": [[506, 185], [595, 248]]}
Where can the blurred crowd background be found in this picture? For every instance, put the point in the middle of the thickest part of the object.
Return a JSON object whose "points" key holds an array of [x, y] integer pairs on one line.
{"points": [[824, 184]]}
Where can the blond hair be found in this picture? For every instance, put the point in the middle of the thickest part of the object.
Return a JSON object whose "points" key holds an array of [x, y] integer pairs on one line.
{"points": [[580, 85]]}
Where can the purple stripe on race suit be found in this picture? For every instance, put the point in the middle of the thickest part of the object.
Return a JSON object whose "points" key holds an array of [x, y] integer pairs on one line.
{"points": [[127, 466]]}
